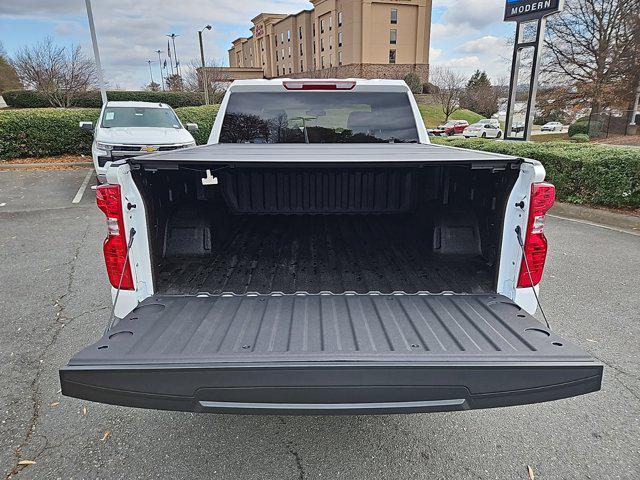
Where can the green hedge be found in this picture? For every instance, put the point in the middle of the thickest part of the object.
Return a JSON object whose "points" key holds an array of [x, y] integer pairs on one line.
{"points": [[40, 132], [33, 99], [583, 173]]}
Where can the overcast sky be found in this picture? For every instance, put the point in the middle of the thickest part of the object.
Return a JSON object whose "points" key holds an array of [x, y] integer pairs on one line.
{"points": [[466, 34]]}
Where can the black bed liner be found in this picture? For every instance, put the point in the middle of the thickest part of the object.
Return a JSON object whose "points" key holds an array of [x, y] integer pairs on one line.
{"points": [[328, 353], [293, 155], [340, 253]]}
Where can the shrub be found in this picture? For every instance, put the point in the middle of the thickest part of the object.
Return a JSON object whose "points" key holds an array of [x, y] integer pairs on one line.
{"points": [[39, 132], [414, 82], [580, 138], [36, 132], [25, 99], [204, 116], [579, 128], [582, 172], [33, 99]]}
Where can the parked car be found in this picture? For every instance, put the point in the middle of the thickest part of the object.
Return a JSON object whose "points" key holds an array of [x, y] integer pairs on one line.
{"points": [[486, 128], [552, 127], [128, 129], [319, 256], [452, 127]]}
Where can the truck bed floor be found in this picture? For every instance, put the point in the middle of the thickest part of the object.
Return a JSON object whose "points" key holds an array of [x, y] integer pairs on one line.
{"points": [[289, 254]]}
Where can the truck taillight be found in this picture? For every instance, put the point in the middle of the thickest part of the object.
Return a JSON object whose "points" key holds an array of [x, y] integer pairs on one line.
{"points": [[109, 200], [319, 85], [535, 243]]}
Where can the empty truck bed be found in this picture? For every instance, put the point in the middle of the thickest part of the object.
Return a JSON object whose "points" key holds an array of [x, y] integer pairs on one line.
{"points": [[335, 253]]}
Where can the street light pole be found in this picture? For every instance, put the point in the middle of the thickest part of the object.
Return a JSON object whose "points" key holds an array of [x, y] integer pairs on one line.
{"points": [[150, 72], [173, 36], [96, 52], [205, 84], [160, 65]]}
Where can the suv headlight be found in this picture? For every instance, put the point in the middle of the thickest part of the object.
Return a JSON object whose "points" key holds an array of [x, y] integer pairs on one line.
{"points": [[104, 146]]}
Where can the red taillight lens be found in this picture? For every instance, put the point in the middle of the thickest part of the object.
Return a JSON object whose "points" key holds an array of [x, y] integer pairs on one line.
{"points": [[535, 243], [109, 200]]}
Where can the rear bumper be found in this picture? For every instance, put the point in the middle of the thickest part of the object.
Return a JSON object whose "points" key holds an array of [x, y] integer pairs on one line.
{"points": [[331, 389]]}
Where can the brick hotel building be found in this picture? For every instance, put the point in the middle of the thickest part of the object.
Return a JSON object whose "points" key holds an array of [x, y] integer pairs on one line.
{"points": [[339, 38]]}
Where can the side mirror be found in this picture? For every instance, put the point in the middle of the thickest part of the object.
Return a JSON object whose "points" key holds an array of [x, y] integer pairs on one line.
{"points": [[192, 127], [86, 126]]}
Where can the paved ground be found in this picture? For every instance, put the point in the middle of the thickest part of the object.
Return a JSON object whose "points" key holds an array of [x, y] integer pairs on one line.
{"points": [[54, 301]]}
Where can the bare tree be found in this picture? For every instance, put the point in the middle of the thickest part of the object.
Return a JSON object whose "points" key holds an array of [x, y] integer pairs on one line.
{"points": [[174, 83], [217, 79], [60, 73], [588, 50], [450, 87], [152, 87]]}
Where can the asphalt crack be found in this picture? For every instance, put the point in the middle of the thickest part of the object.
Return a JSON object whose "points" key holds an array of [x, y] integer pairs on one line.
{"points": [[56, 327], [297, 458]]}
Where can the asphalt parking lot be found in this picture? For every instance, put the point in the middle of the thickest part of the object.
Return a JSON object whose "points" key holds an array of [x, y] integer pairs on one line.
{"points": [[54, 300]]}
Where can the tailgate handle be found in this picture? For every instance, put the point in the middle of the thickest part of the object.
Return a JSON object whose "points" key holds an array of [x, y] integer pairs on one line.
{"points": [[439, 405]]}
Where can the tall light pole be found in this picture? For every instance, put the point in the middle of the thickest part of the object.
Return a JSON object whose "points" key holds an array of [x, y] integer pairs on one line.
{"points": [[96, 52], [173, 36], [150, 72], [160, 65], [204, 67]]}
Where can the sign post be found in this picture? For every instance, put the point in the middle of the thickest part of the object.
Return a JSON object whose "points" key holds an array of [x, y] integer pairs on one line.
{"points": [[530, 17]]}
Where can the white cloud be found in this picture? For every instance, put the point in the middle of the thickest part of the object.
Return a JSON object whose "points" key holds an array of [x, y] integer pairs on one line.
{"points": [[486, 44]]}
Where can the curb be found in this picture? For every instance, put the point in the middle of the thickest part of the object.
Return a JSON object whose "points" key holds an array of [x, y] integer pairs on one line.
{"points": [[18, 166], [605, 218]]}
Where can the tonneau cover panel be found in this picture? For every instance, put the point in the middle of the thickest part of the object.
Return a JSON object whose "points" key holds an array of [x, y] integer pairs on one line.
{"points": [[288, 155], [327, 353]]}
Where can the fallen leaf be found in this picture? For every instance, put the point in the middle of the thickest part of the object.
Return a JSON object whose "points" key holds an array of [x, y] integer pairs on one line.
{"points": [[105, 436], [84, 410], [530, 472], [54, 404], [27, 462]]}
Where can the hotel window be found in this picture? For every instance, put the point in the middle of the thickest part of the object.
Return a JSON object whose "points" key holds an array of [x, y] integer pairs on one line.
{"points": [[288, 35], [393, 37], [314, 47], [392, 56], [321, 62], [301, 51], [339, 39], [394, 16], [281, 37], [282, 52], [339, 19], [330, 23], [300, 33], [275, 39], [289, 68], [339, 58], [330, 60], [331, 42], [289, 51], [313, 29], [301, 66], [322, 44], [276, 55], [322, 25], [314, 63]]}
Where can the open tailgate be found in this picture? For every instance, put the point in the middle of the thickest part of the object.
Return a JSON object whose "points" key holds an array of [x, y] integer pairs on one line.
{"points": [[327, 353]]}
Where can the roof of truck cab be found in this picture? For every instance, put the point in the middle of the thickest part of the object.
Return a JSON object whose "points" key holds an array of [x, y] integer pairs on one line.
{"points": [[242, 154]]}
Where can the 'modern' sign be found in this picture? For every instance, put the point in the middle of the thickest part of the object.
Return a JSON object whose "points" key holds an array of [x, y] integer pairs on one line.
{"points": [[523, 10]]}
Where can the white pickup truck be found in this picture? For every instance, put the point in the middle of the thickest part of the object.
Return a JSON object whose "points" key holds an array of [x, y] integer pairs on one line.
{"points": [[319, 256]]}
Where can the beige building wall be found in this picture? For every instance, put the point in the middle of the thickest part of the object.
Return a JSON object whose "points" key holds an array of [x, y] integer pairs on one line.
{"points": [[365, 38]]}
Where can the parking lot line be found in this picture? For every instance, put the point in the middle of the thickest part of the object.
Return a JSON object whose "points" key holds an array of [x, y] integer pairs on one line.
{"points": [[592, 224], [82, 188]]}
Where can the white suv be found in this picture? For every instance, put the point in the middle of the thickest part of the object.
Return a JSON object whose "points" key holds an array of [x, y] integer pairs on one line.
{"points": [[129, 129]]}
